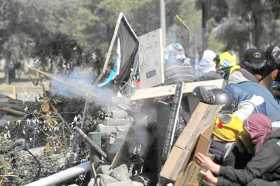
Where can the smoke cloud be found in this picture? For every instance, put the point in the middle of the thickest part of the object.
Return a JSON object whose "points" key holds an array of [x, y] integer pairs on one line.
{"points": [[79, 83]]}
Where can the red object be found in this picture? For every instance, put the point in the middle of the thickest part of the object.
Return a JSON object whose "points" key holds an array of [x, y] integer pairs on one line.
{"points": [[258, 127], [219, 123], [138, 83]]}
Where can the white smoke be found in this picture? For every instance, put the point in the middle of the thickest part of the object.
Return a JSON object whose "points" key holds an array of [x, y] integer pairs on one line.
{"points": [[80, 83]]}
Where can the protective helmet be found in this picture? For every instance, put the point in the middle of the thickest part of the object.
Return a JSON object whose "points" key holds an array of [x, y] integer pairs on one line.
{"points": [[230, 130], [226, 60], [255, 61], [207, 64], [273, 55], [226, 63]]}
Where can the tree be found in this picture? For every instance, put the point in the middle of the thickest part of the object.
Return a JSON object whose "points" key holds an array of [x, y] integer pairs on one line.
{"points": [[16, 40], [245, 23]]}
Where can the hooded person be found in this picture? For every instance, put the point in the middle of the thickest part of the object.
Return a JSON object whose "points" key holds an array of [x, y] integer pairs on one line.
{"points": [[207, 63], [258, 127], [262, 170], [178, 66], [206, 69]]}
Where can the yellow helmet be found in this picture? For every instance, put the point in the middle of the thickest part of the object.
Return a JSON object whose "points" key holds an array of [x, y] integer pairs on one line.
{"points": [[230, 131], [227, 62]]}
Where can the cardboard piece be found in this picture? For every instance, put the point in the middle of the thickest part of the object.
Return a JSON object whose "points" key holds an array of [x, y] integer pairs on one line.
{"points": [[202, 117], [190, 176], [151, 59]]}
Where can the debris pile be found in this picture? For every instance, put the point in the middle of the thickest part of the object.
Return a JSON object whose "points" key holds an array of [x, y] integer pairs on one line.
{"points": [[57, 132], [82, 133]]}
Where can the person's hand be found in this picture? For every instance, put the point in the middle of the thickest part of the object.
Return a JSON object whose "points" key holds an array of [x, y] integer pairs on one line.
{"points": [[208, 178], [207, 163]]}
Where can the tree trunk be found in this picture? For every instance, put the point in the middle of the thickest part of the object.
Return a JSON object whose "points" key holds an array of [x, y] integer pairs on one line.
{"points": [[9, 71], [257, 15]]}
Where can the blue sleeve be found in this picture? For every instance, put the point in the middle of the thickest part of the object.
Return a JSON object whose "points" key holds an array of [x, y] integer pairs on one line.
{"points": [[234, 91], [237, 93]]}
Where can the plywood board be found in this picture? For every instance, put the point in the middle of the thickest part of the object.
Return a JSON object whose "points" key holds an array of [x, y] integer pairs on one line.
{"points": [[190, 176], [151, 59]]}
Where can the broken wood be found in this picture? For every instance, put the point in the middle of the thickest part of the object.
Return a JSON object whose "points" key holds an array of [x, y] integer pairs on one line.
{"points": [[201, 119], [190, 175], [9, 90]]}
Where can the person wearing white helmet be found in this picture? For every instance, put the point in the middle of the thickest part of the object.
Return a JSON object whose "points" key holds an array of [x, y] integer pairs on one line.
{"points": [[207, 63], [206, 68]]}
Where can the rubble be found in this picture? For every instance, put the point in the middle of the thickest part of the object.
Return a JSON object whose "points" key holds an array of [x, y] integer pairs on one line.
{"points": [[81, 134], [121, 173], [106, 180], [49, 137], [54, 135], [104, 169]]}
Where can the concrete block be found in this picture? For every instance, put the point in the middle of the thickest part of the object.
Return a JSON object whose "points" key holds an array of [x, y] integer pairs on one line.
{"points": [[121, 173]]}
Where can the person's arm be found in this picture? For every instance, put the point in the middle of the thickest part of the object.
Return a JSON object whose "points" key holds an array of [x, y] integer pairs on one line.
{"points": [[268, 159], [246, 108], [246, 103], [211, 180], [225, 182]]}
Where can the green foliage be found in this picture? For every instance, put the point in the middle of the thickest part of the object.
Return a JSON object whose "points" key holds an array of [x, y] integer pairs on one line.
{"points": [[56, 28], [191, 16], [245, 22], [215, 44], [116, 6]]}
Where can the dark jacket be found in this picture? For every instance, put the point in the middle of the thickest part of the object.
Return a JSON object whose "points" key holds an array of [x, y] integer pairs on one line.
{"points": [[264, 165]]}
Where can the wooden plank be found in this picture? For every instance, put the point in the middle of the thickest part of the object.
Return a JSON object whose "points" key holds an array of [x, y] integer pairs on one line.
{"points": [[9, 90], [202, 118], [168, 90]]}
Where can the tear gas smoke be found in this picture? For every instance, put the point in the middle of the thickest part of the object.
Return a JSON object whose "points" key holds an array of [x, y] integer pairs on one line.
{"points": [[80, 84]]}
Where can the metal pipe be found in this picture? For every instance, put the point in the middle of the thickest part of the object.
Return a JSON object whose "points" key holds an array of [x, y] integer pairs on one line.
{"points": [[163, 22], [63, 176], [189, 32], [11, 111], [94, 146], [84, 114]]}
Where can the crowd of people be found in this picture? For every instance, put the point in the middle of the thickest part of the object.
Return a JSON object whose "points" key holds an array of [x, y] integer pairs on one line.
{"points": [[245, 147]]}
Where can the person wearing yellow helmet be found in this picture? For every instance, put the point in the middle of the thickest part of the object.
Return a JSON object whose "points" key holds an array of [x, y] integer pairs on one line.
{"points": [[226, 63], [249, 96]]}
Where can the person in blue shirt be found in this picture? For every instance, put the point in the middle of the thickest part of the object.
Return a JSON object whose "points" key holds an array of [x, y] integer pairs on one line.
{"points": [[248, 88], [251, 91]]}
